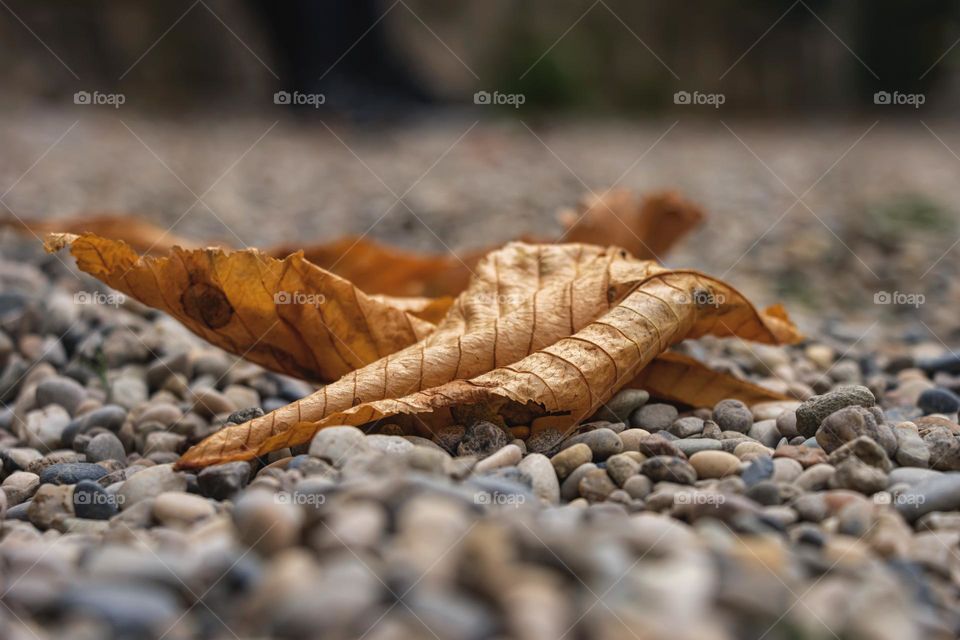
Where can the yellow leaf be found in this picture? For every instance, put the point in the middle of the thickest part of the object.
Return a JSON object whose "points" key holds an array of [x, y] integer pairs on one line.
{"points": [[287, 315], [542, 330]]}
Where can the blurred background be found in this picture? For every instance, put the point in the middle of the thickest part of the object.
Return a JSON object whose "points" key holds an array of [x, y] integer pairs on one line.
{"points": [[818, 136]]}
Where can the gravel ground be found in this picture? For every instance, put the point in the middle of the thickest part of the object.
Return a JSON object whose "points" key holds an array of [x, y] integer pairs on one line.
{"points": [[835, 515]]}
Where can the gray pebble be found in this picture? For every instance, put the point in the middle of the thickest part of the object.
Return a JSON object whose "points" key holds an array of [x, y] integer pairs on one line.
{"points": [[105, 446], [733, 415], [654, 417], [812, 412]]}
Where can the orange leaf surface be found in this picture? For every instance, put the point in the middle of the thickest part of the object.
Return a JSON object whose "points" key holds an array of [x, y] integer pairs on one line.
{"points": [[287, 315], [543, 330]]}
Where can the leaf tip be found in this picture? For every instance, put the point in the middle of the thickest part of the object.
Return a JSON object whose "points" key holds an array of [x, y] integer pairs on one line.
{"points": [[56, 241]]}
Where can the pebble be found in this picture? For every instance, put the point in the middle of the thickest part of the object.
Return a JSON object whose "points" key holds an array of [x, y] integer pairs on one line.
{"points": [[654, 417], [603, 443], [179, 509], [765, 432], [128, 392], [638, 486], [850, 423], [337, 444], [571, 458], [20, 486], [61, 391], [856, 475], [105, 446], [786, 470], [93, 502], [570, 486], [669, 469], [482, 439], [622, 405], [937, 400], [865, 450], [944, 448], [223, 481], [912, 451], [815, 478], [759, 469], [787, 424], [543, 477], [266, 524], [938, 493], [595, 485], [749, 449], [390, 445], [109, 416], [546, 442], [714, 464], [806, 456], [812, 412], [621, 468], [656, 444], [149, 483], [691, 446], [686, 427], [51, 505], [45, 427], [71, 473], [733, 415], [509, 455], [209, 402]]}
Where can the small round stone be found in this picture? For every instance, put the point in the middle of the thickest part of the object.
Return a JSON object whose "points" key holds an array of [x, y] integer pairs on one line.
{"points": [[938, 400], [337, 444], [71, 473], [686, 427], [543, 477], [602, 442], [105, 446], [571, 458], [654, 417], [481, 439], [62, 391], [546, 442], [733, 415], [266, 523], [715, 464], [149, 483], [93, 502]]}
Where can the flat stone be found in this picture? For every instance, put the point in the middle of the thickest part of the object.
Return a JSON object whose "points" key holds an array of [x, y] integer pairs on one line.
{"points": [[71, 473], [686, 427], [337, 444], [179, 509], [715, 464], [654, 417], [603, 443], [149, 483]]}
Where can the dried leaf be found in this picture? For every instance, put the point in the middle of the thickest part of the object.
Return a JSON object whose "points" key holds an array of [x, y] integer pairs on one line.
{"points": [[287, 315], [542, 330], [647, 227], [681, 379]]}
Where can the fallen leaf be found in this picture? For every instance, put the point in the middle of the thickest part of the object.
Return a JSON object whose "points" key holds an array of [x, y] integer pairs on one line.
{"points": [[542, 331], [678, 378], [645, 226], [287, 315]]}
